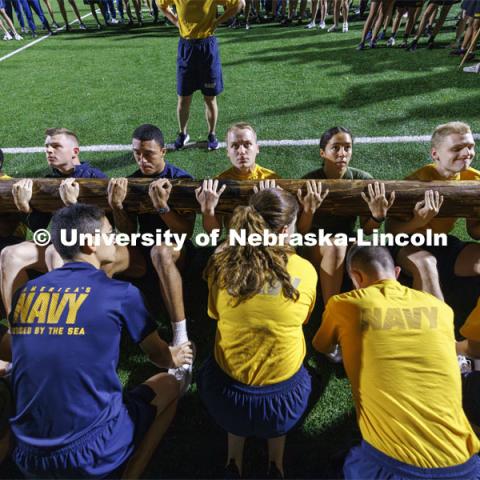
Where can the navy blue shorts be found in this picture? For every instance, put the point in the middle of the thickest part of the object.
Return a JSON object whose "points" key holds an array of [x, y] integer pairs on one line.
{"points": [[471, 396], [472, 8], [250, 411], [98, 453], [2, 4], [365, 461], [199, 67]]}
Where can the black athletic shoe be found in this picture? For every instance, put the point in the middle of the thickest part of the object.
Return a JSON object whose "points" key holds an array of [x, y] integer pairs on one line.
{"points": [[412, 47], [231, 470], [361, 46], [273, 471]]}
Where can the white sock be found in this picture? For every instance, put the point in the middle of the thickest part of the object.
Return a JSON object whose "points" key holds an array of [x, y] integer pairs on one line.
{"points": [[179, 332]]}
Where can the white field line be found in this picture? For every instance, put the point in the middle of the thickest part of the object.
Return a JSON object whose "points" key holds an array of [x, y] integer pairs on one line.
{"points": [[38, 40], [262, 143]]}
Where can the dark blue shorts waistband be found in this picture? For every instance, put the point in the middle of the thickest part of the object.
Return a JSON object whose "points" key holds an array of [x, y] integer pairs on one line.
{"points": [[280, 387], [197, 41], [459, 471], [85, 439]]}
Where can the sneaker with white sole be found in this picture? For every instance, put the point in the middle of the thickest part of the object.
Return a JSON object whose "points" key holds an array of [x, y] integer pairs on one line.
{"points": [[212, 142], [391, 42], [181, 140], [82, 26], [464, 364], [472, 69], [18, 37], [310, 25], [322, 26], [345, 27], [333, 28], [7, 37]]}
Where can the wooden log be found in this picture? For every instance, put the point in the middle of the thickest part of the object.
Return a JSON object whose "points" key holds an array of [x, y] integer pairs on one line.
{"points": [[461, 199]]}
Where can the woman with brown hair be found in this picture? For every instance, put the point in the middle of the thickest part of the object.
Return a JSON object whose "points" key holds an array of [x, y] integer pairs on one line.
{"points": [[255, 383]]}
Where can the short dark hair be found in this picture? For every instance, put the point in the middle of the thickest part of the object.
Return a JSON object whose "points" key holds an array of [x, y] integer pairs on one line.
{"points": [[80, 217], [369, 259], [331, 132], [1, 159], [147, 132]]}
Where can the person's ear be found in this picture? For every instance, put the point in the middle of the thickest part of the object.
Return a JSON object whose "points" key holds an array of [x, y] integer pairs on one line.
{"points": [[322, 153], [357, 278], [397, 272], [76, 150], [89, 248], [434, 154], [284, 229]]}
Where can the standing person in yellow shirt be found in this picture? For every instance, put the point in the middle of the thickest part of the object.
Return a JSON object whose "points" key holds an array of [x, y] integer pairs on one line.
{"points": [[470, 347], [198, 59], [452, 151], [399, 354], [255, 384], [242, 150]]}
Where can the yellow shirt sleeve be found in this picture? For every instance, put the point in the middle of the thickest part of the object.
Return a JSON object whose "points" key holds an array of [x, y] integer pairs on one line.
{"points": [[165, 3], [471, 327]]}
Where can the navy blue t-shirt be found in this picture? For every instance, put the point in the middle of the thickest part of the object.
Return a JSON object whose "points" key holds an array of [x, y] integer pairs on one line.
{"points": [[37, 220], [66, 327], [150, 222]]}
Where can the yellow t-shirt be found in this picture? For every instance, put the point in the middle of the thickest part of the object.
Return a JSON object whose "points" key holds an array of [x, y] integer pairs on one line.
{"points": [[430, 172], [10, 218], [196, 17], [259, 173], [260, 341], [398, 349], [471, 327]]}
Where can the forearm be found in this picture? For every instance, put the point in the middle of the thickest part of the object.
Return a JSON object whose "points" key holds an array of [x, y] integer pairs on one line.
{"points": [[178, 223], [211, 222], [369, 225], [304, 223], [123, 221], [169, 15], [473, 229], [409, 226], [162, 356]]}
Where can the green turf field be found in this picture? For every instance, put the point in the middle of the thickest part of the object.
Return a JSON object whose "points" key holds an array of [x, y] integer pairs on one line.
{"points": [[289, 83]]}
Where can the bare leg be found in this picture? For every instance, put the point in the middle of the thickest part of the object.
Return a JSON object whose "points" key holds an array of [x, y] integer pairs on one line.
{"points": [[183, 112], [166, 388], [276, 449], [423, 21], [8, 21], [63, 12], [374, 6], [50, 10], [336, 12], [138, 10], [94, 13], [315, 5], [211, 113], [235, 450], [165, 261], [75, 10], [422, 266], [14, 261], [329, 261], [52, 258], [467, 263]]}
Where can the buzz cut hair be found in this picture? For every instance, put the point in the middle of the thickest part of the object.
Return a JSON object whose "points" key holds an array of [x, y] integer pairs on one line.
{"points": [[369, 259], [51, 132], [447, 129], [241, 126], [147, 132]]}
